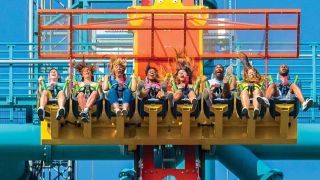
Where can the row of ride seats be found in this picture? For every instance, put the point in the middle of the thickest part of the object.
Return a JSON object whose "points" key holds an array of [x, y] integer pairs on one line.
{"points": [[165, 106]]}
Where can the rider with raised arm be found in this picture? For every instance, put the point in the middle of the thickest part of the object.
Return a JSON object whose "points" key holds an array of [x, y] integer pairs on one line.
{"points": [[252, 85], [52, 89], [220, 86], [151, 88], [283, 87], [181, 83], [87, 91], [119, 85]]}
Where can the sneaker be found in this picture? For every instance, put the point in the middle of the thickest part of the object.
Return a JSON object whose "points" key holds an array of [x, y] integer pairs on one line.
{"points": [[60, 114], [263, 101], [307, 104], [194, 105], [118, 112], [256, 113], [41, 114], [84, 117], [245, 113], [124, 112], [206, 97]]}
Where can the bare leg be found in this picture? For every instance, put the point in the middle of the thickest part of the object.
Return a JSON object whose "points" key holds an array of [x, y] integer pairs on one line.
{"points": [[125, 106], [61, 99], [233, 83], [192, 96], [272, 91], [297, 91], [244, 97], [177, 95], [226, 93], [193, 99], [116, 106], [44, 99], [92, 99], [160, 94], [143, 94], [255, 103], [81, 100]]}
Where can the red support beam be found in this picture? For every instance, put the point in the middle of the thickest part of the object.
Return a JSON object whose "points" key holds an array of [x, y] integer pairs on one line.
{"points": [[165, 11], [171, 27], [298, 35]]}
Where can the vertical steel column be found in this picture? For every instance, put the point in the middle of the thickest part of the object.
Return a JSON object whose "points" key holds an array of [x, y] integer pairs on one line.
{"points": [[30, 37], [69, 4], [70, 51], [10, 98], [39, 35], [266, 53], [314, 80], [36, 25], [30, 40], [184, 31], [298, 35], [152, 35], [238, 61], [85, 32], [266, 64], [266, 48]]}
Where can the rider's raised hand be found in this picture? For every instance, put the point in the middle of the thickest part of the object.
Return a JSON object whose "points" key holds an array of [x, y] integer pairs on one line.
{"points": [[40, 79]]}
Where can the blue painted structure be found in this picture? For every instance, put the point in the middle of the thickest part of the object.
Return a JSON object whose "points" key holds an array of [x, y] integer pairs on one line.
{"points": [[21, 142]]}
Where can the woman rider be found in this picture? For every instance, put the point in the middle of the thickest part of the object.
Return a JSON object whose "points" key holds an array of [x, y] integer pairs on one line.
{"points": [[151, 88], [252, 85], [182, 83], [119, 85], [86, 91]]}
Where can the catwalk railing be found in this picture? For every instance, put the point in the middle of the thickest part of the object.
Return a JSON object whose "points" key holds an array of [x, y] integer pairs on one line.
{"points": [[19, 74]]}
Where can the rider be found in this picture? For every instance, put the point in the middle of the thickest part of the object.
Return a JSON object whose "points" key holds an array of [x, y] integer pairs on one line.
{"points": [[252, 85], [182, 83], [283, 87], [119, 85], [151, 88], [87, 91], [52, 89], [220, 86]]}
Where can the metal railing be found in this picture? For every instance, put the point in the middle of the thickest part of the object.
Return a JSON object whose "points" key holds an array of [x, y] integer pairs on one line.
{"points": [[19, 74]]}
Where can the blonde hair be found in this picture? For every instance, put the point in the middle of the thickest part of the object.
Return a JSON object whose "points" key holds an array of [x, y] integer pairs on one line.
{"points": [[116, 61]]}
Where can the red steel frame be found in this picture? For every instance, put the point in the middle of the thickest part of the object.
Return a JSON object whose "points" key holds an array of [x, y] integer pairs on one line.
{"points": [[233, 26], [190, 172]]}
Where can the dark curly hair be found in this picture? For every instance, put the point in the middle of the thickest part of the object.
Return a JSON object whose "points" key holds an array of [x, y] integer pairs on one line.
{"points": [[155, 69], [80, 66]]}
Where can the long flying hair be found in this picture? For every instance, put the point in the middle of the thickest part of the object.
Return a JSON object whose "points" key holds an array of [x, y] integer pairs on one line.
{"points": [[183, 62], [80, 66]]}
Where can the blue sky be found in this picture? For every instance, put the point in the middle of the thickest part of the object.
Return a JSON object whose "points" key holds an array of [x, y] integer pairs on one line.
{"points": [[14, 26]]}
